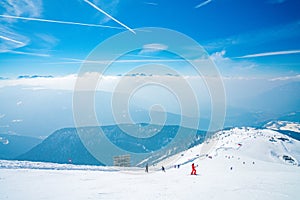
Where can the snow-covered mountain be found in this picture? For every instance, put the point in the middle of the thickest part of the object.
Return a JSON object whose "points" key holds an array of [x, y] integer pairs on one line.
{"points": [[289, 128], [245, 163], [243, 145], [250, 143], [281, 99], [284, 126]]}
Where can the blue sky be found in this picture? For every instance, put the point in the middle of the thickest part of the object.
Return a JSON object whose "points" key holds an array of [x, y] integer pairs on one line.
{"points": [[249, 37], [255, 45]]}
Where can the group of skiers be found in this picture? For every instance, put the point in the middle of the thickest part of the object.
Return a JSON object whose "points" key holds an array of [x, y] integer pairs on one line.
{"points": [[194, 172]]}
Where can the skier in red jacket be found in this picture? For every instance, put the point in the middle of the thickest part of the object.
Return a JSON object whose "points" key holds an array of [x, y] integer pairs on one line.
{"points": [[193, 169]]}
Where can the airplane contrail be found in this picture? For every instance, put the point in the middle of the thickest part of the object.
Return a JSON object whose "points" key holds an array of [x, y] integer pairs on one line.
{"points": [[29, 53], [11, 40], [111, 17], [203, 3], [276, 53], [58, 22]]}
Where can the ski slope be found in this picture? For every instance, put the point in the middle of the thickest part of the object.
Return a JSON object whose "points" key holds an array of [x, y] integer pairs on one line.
{"points": [[256, 157]]}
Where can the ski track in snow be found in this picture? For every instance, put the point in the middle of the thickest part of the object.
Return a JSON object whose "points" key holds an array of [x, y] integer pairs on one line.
{"points": [[255, 174]]}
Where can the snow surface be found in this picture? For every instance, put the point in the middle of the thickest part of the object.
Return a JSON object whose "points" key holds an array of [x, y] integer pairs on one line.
{"points": [[283, 125], [256, 157]]}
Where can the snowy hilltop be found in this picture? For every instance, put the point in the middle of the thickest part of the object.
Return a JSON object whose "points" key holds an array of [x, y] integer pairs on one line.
{"points": [[245, 143], [284, 125], [245, 163]]}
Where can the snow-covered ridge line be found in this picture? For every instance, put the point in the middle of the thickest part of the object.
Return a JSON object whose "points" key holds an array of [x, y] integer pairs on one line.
{"points": [[14, 164], [284, 126], [262, 144], [256, 144]]}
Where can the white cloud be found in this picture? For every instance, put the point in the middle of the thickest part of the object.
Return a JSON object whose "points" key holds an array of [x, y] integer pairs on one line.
{"points": [[19, 103], [29, 53], [48, 40], [107, 82], [30, 8], [286, 78], [2, 116], [59, 83], [141, 60], [241, 78], [154, 47], [151, 3], [232, 67], [10, 39], [16, 120], [218, 56], [110, 6]]}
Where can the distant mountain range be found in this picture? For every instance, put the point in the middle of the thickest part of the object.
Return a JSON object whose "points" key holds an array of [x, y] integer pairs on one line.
{"points": [[291, 129], [278, 101], [65, 146], [12, 146]]}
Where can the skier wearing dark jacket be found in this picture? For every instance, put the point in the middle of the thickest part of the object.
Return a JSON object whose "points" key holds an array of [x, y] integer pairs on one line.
{"points": [[146, 170]]}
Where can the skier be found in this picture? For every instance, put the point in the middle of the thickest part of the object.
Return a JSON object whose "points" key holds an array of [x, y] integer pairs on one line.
{"points": [[193, 169], [146, 170], [163, 169]]}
